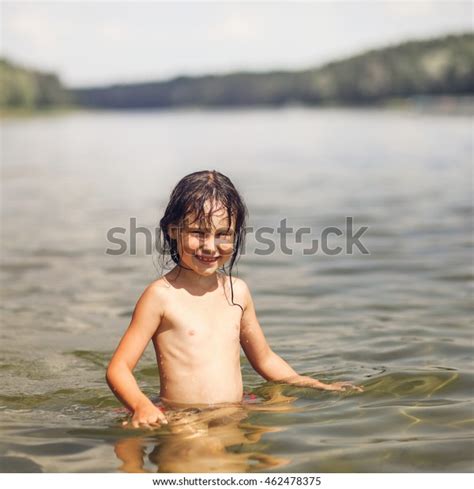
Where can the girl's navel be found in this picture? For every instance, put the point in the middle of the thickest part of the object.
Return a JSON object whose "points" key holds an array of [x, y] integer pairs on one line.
{"points": [[191, 332]]}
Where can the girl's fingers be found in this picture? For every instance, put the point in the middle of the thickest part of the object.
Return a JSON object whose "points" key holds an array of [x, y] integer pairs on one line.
{"points": [[347, 385], [142, 424], [355, 387], [150, 425], [162, 419]]}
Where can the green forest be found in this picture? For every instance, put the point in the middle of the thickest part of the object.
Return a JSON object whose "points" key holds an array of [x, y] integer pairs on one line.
{"points": [[441, 66], [23, 88]]}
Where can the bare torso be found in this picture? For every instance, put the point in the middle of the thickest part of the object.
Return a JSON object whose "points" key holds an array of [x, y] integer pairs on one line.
{"points": [[197, 345]]}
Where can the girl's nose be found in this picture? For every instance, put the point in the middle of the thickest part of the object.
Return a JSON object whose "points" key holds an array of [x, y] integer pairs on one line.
{"points": [[209, 244]]}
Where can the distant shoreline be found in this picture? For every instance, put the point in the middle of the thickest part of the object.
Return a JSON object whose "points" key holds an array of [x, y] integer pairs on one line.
{"points": [[22, 112], [425, 73], [462, 105]]}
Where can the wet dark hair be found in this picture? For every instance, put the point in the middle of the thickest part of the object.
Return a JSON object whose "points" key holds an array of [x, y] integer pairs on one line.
{"points": [[189, 197]]}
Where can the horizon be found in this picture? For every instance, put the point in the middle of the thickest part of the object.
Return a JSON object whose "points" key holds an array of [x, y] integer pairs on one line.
{"points": [[108, 51]]}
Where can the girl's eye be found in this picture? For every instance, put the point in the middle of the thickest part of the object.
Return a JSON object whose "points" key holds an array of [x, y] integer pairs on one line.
{"points": [[199, 233]]}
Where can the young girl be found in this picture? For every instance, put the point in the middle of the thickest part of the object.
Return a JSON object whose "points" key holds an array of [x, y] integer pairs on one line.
{"points": [[198, 315]]}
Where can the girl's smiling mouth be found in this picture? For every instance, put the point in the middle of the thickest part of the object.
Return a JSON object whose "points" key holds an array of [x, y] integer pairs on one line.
{"points": [[206, 259]]}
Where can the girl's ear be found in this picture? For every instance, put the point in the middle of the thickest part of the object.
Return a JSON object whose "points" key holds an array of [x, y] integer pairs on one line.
{"points": [[173, 231]]}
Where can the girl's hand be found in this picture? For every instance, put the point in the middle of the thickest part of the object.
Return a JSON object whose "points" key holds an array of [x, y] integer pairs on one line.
{"points": [[146, 415], [342, 387], [305, 381]]}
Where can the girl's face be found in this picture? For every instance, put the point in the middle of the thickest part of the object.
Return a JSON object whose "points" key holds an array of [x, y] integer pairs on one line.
{"points": [[206, 247]]}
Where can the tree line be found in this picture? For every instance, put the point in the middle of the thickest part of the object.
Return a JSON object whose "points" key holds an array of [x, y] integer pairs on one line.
{"points": [[440, 66], [23, 88]]}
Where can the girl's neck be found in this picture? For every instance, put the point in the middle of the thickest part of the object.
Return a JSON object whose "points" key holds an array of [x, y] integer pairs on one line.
{"points": [[192, 279]]}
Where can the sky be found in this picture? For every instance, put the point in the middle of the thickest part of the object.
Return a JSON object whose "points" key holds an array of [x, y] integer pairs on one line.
{"points": [[102, 42]]}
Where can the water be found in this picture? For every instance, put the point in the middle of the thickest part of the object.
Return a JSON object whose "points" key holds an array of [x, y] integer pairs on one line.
{"points": [[397, 321]]}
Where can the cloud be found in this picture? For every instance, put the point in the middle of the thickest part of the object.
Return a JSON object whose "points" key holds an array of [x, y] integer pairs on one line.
{"points": [[114, 30], [31, 29], [411, 8], [235, 27]]}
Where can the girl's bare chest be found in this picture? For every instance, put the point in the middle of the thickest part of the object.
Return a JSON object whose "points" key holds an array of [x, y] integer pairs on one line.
{"points": [[204, 319]]}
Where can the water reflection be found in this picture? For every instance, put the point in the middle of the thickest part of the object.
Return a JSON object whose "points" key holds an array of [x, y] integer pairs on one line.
{"points": [[214, 439], [422, 384], [225, 439]]}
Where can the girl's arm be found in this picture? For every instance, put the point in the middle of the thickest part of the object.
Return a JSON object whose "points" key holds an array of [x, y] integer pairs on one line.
{"points": [[145, 321], [266, 362]]}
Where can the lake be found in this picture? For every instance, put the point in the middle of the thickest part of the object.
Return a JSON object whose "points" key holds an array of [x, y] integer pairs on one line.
{"points": [[397, 320]]}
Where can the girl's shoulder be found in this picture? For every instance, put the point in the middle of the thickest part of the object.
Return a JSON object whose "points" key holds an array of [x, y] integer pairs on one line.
{"points": [[236, 281], [238, 286], [159, 287]]}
